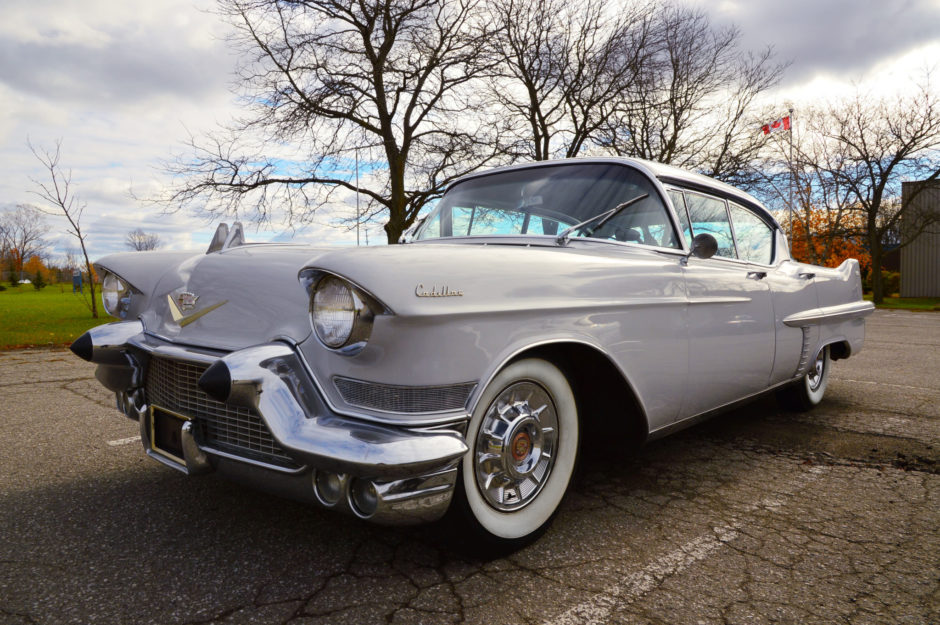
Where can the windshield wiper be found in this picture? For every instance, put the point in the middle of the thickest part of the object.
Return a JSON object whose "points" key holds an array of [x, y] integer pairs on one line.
{"points": [[562, 239]]}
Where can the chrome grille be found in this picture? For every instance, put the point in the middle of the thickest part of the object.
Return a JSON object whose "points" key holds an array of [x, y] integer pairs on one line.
{"points": [[173, 385], [407, 399]]}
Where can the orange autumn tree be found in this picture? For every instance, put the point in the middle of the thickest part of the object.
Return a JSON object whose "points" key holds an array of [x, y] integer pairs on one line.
{"points": [[35, 265], [830, 238]]}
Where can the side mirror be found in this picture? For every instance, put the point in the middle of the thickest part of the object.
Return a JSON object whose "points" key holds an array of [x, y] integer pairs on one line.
{"points": [[704, 246]]}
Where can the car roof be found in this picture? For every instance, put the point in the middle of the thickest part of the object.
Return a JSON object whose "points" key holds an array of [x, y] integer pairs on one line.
{"points": [[667, 174]]}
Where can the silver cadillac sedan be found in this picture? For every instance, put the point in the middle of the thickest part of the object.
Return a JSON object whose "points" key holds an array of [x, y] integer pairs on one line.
{"points": [[461, 370]]}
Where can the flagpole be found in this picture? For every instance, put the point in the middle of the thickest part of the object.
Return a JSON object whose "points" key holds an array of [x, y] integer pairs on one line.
{"points": [[358, 214], [792, 176]]}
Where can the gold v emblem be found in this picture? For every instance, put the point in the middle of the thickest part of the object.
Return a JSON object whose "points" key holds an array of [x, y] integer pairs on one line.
{"points": [[184, 320]]}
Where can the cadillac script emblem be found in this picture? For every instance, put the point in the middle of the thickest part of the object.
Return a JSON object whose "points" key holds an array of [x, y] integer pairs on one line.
{"points": [[434, 291]]}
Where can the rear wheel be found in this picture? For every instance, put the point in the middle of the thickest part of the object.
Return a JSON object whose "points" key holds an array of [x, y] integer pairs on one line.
{"points": [[523, 439], [809, 391]]}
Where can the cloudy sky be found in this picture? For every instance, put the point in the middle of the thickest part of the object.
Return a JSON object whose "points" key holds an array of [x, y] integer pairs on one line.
{"points": [[123, 83]]}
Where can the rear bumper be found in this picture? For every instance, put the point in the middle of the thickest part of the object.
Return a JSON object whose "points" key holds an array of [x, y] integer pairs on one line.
{"points": [[383, 473]]}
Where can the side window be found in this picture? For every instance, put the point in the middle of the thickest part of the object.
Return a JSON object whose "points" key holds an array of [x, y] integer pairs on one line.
{"points": [[645, 223], [709, 215], [753, 236], [679, 202]]}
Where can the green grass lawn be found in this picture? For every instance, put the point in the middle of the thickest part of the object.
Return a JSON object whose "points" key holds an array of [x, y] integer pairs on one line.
{"points": [[909, 303], [51, 316]]}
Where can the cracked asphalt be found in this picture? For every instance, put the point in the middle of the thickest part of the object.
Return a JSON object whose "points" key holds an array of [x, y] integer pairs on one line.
{"points": [[757, 516]]}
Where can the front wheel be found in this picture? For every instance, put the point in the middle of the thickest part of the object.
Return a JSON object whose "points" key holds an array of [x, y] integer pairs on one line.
{"points": [[523, 438], [809, 391]]}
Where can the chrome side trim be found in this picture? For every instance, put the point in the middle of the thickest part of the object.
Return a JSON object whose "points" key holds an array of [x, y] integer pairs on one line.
{"points": [[688, 422], [717, 300], [841, 312]]}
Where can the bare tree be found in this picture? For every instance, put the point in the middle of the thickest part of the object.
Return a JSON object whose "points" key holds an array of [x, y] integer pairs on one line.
{"points": [[693, 103], [21, 235], [796, 167], [329, 81], [559, 67], [873, 145], [57, 193], [141, 241]]}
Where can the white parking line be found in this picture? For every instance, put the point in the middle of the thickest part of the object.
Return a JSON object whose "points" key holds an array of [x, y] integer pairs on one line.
{"points": [[913, 388], [637, 584], [124, 441]]}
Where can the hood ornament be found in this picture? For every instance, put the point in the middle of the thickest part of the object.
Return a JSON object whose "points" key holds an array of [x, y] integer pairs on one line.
{"points": [[187, 301]]}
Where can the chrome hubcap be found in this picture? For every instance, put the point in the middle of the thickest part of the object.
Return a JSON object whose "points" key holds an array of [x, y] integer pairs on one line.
{"points": [[815, 375], [515, 446]]}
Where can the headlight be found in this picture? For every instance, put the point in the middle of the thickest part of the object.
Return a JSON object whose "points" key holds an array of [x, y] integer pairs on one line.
{"points": [[115, 295], [340, 316]]}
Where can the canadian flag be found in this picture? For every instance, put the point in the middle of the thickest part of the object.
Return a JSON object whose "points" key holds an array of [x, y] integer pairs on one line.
{"points": [[781, 124]]}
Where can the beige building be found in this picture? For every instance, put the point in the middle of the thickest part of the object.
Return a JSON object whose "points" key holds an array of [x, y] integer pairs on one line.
{"points": [[920, 260]]}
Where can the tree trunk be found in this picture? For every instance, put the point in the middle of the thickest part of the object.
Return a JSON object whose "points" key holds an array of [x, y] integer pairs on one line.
{"points": [[91, 275], [396, 224]]}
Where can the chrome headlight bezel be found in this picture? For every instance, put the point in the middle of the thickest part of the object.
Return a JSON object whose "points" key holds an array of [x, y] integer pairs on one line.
{"points": [[341, 314], [116, 295]]}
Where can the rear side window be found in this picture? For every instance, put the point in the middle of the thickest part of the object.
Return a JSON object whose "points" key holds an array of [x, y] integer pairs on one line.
{"points": [[710, 215], [754, 237]]}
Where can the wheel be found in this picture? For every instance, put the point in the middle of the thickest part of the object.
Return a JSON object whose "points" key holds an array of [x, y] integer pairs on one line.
{"points": [[810, 390], [523, 438]]}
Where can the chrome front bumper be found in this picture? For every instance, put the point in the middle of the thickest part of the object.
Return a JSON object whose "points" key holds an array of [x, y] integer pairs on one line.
{"points": [[378, 472]]}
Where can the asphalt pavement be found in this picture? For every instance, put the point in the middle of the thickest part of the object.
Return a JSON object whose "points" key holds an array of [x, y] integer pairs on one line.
{"points": [[757, 516]]}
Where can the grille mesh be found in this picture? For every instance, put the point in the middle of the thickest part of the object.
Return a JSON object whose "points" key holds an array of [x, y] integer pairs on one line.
{"points": [[407, 399], [172, 384]]}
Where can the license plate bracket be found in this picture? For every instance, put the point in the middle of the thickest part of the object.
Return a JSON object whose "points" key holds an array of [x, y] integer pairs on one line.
{"points": [[166, 433]]}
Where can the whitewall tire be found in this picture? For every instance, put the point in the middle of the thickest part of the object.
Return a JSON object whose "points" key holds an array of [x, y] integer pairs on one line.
{"points": [[523, 438], [809, 391]]}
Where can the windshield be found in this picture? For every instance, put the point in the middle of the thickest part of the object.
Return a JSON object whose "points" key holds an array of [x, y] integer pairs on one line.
{"points": [[550, 199]]}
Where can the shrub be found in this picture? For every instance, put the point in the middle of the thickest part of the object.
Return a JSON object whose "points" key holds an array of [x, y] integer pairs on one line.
{"points": [[890, 280], [39, 281]]}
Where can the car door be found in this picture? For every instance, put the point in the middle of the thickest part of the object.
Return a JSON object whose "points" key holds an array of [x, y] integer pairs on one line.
{"points": [[730, 314]]}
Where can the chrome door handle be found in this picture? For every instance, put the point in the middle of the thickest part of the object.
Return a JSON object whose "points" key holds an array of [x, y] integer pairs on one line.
{"points": [[756, 275]]}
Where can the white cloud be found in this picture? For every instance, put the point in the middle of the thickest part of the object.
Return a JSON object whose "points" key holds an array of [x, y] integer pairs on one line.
{"points": [[838, 38], [122, 84]]}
